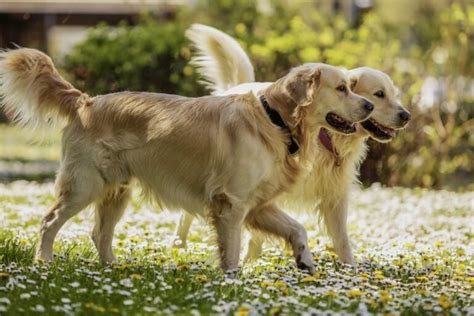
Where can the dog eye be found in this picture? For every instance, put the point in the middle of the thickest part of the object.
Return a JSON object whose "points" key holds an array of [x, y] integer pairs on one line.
{"points": [[379, 94], [341, 88]]}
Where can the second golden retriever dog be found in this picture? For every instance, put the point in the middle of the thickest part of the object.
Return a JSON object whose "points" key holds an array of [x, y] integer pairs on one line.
{"points": [[222, 157], [336, 158]]}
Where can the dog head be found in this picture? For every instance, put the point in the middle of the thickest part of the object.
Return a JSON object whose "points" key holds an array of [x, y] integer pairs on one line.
{"points": [[324, 98], [388, 114]]}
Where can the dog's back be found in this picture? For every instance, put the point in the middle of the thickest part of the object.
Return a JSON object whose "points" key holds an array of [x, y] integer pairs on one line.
{"points": [[176, 146]]}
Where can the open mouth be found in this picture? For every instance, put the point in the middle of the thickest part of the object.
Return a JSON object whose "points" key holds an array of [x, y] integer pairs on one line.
{"points": [[377, 130], [340, 124]]}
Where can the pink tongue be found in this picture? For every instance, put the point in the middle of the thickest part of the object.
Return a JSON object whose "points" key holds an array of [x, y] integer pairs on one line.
{"points": [[325, 139]]}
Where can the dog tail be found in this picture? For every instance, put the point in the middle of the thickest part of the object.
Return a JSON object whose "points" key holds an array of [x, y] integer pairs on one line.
{"points": [[220, 59], [33, 91]]}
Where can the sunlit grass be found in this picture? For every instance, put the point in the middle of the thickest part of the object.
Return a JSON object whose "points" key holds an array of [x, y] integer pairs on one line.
{"points": [[24, 144], [414, 249]]}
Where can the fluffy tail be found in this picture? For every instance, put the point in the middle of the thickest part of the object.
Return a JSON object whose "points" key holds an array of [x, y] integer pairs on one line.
{"points": [[220, 59], [32, 90]]}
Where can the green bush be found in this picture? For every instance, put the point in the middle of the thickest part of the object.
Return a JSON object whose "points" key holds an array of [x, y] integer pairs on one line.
{"points": [[437, 149], [434, 151], [150, 56]]}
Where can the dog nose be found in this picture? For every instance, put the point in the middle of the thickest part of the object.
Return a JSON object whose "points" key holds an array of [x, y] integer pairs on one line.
{"points": [[369, 107], [404, 116]]}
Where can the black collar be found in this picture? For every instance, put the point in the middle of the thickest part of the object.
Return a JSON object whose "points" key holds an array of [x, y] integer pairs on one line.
{"points": [[293, 146]]}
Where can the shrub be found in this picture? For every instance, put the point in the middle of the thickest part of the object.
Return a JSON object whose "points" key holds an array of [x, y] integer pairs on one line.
{"points": [[150, 56]]}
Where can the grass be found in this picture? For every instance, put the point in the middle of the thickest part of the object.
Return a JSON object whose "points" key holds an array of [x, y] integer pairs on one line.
{"points": [[19, 144], [414, 250], [25, 155]]}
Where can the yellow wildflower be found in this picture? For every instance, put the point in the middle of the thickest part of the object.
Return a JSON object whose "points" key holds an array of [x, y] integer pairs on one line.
{"points": [[183, 267], [243, 311], [281, 285], [312, 278], [444, 301], [373, 304], [266, 284], [409, 246], [355, 292], [135, 239], [447, 260], [201, 278], [135, 276], [422, 291], [309, 279], [470, 279], [331, 294], [121, 266], [330, 248], [385, 296], [364, 276], [460, 269], [379, 275], [458, 278]]}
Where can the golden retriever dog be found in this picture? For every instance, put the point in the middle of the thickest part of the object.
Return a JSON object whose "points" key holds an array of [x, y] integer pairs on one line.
{"points": [[225, 158], [335, 161]]}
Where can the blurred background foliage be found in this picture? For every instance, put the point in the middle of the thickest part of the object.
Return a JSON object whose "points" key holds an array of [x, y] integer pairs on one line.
{"points": [[425, 46]]}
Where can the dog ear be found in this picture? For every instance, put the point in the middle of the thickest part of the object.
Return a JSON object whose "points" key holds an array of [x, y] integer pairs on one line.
{"points": [[316, 76], [302, 84], [354, 82], [314, 82]]}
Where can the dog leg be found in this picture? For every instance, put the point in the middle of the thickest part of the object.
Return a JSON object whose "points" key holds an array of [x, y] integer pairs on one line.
{"points": [[182, 230], [270, 219], [107, 214], [335, 219], [228, 220], [73, 195], [255, 246]]}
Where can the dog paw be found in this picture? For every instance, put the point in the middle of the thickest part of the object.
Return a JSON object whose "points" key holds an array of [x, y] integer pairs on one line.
{"points": [[178, 243], [43, 258], [349, 260], [353, 264], [109, 261], [231, 273]]}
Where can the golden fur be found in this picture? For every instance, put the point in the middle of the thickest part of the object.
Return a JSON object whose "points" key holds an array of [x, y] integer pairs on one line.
{"points": [[327, 182], [216, 156]]}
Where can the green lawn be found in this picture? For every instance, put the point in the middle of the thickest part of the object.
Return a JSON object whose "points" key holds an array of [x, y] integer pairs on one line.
{"points": [[21, 144], [28, 155], [414, 249]]}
